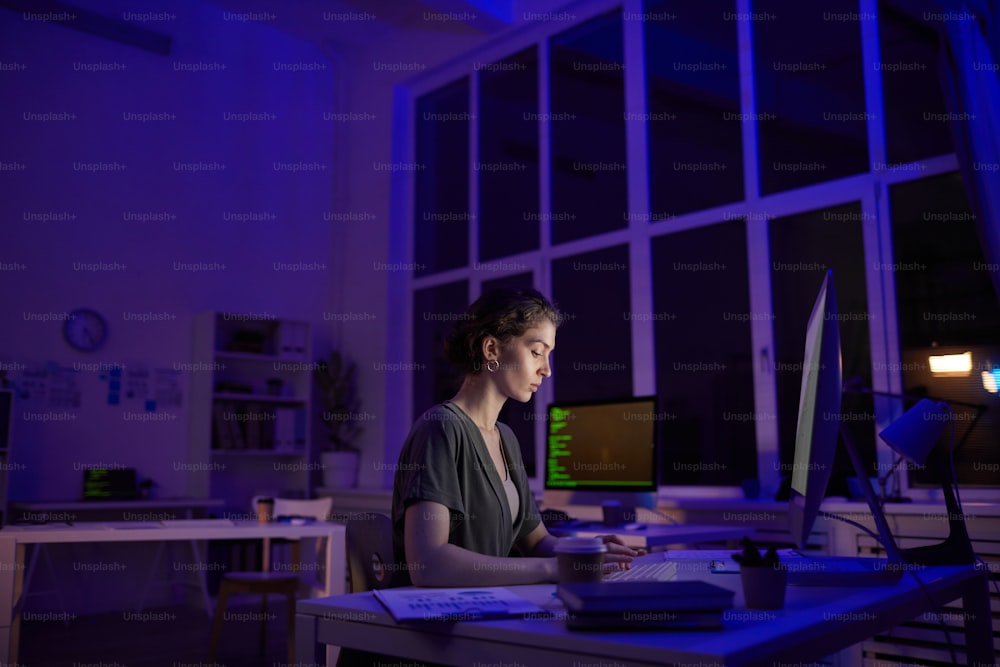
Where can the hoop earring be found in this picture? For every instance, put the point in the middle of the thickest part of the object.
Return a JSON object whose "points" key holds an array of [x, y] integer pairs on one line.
{"points": [[492, 365]]}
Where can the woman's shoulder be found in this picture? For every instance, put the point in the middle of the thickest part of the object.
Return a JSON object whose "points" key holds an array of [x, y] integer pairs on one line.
{"points": [[439, 417]]}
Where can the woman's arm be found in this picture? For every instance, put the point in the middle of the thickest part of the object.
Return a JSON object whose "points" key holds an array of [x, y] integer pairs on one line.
{"points": [[540, 542], [432, 561]]}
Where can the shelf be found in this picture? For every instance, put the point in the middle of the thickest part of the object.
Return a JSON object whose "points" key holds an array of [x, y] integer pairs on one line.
{"points": [[259, 398], [258, 452], [260, 440], [258, 357]]}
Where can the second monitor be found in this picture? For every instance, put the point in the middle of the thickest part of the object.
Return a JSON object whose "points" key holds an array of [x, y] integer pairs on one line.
{"points": [[603, 453]]}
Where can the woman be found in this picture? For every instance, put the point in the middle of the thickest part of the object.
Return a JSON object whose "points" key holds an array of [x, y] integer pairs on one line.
{"points": [[461, 503]]}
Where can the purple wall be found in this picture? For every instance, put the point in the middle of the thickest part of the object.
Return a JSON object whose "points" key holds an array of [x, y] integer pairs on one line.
{"points": [[150, 187]]}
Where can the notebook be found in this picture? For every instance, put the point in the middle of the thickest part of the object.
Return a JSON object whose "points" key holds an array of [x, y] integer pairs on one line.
{"points": [[644, 605], [455, 604]]}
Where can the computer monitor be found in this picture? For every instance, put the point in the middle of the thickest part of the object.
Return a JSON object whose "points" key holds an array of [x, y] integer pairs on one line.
{"points": [[819, 414], [602, 451], [816, 438]]}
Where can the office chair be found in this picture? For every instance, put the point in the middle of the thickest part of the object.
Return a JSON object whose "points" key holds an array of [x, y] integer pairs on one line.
{"points": [[372, 566], [370, 558], [267, 581]]}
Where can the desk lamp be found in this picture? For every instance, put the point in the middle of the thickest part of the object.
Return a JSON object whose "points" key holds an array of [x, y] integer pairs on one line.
{"points": [[914, 436]]}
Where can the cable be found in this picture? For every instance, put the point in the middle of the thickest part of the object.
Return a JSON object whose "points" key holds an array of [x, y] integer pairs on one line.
{"points": [[980, 561], [927, 593], [934, 610], [878, 538]]}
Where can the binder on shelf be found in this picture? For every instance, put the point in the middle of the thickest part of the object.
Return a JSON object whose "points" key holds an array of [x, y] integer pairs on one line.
{"points": [[300, 430], [236, 428], [286, 340], [222, 436], [251, 424], [284, 429], [301, 333]]}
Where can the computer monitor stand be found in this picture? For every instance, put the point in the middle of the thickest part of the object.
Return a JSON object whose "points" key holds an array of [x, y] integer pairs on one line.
{"points": [[956, 549]]}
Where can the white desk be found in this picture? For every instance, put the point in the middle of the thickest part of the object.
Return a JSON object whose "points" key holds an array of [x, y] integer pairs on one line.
{"points": [[13, 540], [110, 510], [652, 535], [814, 623]]}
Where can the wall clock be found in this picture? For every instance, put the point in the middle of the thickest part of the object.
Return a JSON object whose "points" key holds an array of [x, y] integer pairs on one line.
{"points": [[85, 329]]}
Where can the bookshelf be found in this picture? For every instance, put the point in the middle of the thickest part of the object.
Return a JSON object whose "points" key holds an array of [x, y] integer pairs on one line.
{"points": [[6, 464], [250, 408]]}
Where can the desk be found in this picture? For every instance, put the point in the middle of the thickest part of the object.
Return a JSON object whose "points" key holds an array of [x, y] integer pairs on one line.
{"points": [[14, 539], [153, 509], [814, 623], [656, 534]]}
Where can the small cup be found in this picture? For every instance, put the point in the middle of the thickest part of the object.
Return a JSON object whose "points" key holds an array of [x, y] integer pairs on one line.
{"points": [[580, 559], [265, 510], [764, 586], [613, 512]]}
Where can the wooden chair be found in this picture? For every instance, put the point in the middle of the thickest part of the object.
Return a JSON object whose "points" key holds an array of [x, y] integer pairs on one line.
{"points": [[267, 581]]}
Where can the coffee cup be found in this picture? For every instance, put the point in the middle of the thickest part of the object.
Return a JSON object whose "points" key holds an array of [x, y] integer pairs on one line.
{"points": [[265, 509], [580, 558]]}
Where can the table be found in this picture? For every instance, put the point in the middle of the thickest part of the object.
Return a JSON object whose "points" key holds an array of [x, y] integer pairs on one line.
{"points": [[14, 539], [652, 535], [110, 510], [814, 623]]}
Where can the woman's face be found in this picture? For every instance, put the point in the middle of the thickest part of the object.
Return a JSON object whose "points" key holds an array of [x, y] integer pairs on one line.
{"points": [[524, 361]]}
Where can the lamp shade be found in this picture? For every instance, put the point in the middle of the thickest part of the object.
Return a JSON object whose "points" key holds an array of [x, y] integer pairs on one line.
{"points": [[914, 435]]}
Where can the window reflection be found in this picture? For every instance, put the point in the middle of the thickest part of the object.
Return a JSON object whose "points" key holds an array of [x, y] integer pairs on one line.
{"points": [[693, 86], [588, 129], [508, 156], [809, 87], [441, 173]]}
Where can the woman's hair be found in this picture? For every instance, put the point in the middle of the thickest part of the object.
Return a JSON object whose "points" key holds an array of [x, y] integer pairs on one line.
{"points": [[502, 313]]}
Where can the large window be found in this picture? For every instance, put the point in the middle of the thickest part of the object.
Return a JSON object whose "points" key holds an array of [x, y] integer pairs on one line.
{"points": [[704, 381], [587, 70], [946, 305], [678, 177]]}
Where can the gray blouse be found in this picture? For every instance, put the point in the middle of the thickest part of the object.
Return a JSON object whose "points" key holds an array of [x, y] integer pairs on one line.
{"points": [[445, 460]]}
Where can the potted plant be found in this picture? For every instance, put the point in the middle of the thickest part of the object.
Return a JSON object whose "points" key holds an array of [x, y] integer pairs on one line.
{"points": [[764, 578], [336, 380]]}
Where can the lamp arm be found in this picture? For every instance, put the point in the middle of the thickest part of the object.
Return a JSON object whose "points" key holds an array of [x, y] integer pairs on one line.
{"points": [[855, 386]]}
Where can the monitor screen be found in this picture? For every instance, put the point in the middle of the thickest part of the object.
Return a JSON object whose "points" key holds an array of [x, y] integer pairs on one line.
{"points": [[110, 484], [602, 445], [819, 414]]}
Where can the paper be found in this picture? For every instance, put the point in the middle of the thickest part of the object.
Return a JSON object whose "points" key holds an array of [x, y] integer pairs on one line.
{"points": [[454, 604]]}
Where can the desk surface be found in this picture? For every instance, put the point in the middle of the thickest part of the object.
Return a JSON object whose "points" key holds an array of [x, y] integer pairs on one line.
{"points": [[103, 531], [116, 504], [814, 623]]}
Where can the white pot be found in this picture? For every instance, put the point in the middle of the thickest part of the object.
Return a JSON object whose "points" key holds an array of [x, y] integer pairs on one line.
{"points": [[340, 469]]}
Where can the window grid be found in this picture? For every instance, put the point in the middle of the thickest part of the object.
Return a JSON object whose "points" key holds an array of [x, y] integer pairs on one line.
{"points": [[869, 188]]}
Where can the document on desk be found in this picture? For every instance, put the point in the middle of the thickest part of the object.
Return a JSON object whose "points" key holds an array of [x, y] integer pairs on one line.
{"points": [[455, 604], [131, 525]]}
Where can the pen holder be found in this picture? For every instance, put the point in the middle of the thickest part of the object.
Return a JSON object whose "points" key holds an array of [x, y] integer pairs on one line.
{"points": [[764, 586]]}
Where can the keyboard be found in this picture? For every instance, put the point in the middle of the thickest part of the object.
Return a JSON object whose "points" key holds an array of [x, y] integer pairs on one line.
{"points": [[653, 571], [805, 569]]}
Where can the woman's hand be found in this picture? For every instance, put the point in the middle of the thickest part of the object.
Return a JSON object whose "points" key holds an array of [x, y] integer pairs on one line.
{"points": [[619, 556]]}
